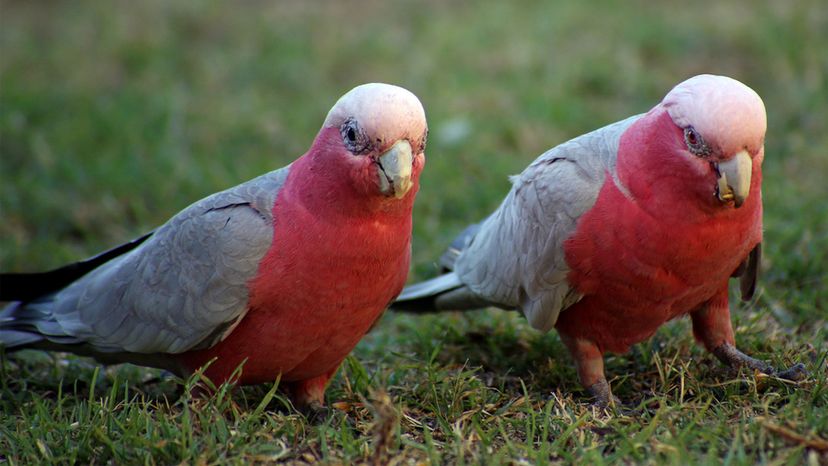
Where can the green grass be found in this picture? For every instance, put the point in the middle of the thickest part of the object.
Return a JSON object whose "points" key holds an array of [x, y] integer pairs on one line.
{"points": [[115, 115]]}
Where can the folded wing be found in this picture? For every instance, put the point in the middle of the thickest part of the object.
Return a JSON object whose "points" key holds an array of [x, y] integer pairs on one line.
{"points": [[182, 288]]}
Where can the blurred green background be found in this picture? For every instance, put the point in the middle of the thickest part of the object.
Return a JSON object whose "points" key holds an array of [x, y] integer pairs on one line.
{"points": [[115, 115]]}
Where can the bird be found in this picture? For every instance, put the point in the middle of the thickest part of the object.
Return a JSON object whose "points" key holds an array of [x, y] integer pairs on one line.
{"points": [[610, 235], [280, 276]]}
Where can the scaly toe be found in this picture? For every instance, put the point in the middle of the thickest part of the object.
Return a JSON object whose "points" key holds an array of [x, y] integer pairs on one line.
{"points": [[604, 398], [795, 373]]}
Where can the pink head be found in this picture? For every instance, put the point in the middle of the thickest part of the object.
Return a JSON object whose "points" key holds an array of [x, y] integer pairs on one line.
{"points": [[375, 135], [728, 114], [706, 138]]}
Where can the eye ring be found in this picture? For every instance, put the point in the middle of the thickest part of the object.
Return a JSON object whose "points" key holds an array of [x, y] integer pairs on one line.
{"points": [[424, 141], [695, 142], [354, 138]]}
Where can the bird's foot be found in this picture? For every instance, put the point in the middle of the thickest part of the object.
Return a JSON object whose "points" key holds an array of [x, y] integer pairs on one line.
{"points": [[315, 412], [589, 361], [734, 358], [309, 397], [602, 395], [796, 373]]}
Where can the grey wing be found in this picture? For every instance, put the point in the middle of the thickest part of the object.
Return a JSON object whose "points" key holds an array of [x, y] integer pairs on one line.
{"points": [[184, 288], [516, 260]]}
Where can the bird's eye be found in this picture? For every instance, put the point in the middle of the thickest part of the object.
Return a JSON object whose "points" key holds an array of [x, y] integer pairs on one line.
{"points": [[692, 138], [695, 143], [423, 141], [356, 141]]}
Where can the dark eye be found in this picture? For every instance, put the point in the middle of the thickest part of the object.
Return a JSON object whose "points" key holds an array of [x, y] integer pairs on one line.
{"points": [[692, 138], [695, 143], [356, 141]]}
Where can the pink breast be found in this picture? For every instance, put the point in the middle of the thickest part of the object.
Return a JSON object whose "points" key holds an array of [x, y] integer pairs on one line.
{"points": [[638, 271], [318, 291]]}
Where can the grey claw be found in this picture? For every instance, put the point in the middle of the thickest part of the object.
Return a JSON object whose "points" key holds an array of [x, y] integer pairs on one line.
{"points": [[795, 373]]}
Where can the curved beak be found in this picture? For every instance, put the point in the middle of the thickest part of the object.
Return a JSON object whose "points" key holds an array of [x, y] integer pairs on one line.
{"points": [[734, 178], [395, 169]]}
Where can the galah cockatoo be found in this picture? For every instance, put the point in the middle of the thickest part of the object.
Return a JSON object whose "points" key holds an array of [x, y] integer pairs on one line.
{"points": [[610, 235], [284, 273]]}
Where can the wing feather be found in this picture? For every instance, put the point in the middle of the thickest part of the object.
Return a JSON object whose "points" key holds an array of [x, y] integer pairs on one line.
{"points": [[516, 259], [180, 289]]}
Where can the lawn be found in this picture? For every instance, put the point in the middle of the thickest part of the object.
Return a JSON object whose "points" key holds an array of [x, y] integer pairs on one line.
{"points": [[115, 115]]}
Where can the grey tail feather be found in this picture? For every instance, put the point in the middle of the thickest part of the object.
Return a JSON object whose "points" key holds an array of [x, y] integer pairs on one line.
{"points": [[27, 321], [443, 293], [29, 286], [23, 325], [437, 285], [15, 339], [460, 243]]}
